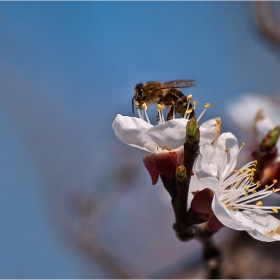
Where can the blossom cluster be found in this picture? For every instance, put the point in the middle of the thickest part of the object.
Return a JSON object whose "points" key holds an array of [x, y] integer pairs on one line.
{"points": [[228, 197]]}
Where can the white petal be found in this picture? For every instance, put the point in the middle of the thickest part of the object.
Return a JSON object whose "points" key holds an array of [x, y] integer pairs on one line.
{"points": [[194, 186], [244, 109], [131, 131], [168, 135], [267, 228], [210, 130], [226, 164], [263, 124], [232, 219], [259, 236], [209, 155], [204, 173]]}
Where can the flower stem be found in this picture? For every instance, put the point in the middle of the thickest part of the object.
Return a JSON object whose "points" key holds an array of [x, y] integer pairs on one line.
{"points": [[183, 226], [211, 254]]}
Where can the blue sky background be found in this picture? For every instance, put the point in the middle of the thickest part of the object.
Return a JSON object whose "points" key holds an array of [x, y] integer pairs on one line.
{"points": [[67, 68]]}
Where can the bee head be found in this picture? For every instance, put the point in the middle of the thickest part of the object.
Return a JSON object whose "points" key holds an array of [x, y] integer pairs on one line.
{"points": [[139, 96]]}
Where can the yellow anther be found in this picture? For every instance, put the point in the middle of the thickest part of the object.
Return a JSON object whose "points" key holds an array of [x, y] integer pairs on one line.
{"points": [[144, 106], [189, 97], [259, 203], [189, 111], [245, 194], [226, 150], [235, 171], [159, 107], [254, 191], [137, 103], [266, 187], [274, 210], [207, 105], [240, 171], [258, 183], [274, 181], [273, 190], [246, 189], [255, 161], [194, 103], [243, 144]]}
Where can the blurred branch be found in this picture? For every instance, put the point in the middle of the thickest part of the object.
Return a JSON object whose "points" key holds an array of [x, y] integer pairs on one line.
{"points": [[211, 254], [266, 21]]}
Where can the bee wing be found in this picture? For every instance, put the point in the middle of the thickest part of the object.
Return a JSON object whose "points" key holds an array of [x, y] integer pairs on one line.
{"points": [[178, 84]]}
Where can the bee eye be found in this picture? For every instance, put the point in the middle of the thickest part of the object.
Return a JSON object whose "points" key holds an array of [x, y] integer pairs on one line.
{"points": [[140, 91]]}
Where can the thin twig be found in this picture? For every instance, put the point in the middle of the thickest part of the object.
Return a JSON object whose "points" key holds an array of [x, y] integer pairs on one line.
{"points": [[266, 21]]}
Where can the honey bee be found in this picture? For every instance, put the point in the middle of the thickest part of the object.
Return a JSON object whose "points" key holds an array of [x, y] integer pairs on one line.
{"points": [[166, 94]]}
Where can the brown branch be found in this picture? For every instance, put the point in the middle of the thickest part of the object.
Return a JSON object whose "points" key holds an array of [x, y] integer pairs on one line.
{"points": [[266, 21], [211, 254]]}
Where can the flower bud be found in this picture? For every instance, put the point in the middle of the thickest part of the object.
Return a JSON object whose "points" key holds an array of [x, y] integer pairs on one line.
{"points": [[270, 140], [192, 131], [181, 173]]}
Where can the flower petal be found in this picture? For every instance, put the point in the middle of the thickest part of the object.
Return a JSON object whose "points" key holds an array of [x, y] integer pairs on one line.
{"points": [[267, 228], [262, 125], [232, 219], [131, 131], [204, 170], [227, 141], [163, 163], [210, 130], [169, 135]]}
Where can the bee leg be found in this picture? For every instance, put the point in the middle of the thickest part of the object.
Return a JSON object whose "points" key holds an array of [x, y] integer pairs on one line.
{"points": [[181, 102], [157, 117], [170, 113]]}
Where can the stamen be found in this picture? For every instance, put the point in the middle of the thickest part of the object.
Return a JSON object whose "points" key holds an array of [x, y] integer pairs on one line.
{"points": [[173, 104], [207, 105], [234, 159], [240, 192], [159, 109], [138, 110], [188, 112], [189, 97], [144, 107]]}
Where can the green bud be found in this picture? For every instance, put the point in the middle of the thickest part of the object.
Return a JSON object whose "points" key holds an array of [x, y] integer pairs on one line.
{"points": [[270, 140], [181, 173], [192, 131]]}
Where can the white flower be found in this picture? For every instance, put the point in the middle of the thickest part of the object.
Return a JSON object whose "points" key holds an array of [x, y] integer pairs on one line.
{"points": [[237, 201], [169, 135], [213, 164], [255, 114]]}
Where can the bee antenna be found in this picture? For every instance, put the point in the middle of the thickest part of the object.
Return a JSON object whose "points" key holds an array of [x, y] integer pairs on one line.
{"points": [[133, 104]]}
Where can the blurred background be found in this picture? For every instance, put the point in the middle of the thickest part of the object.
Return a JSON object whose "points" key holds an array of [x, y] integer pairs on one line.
{"points": [[76, 202]]}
